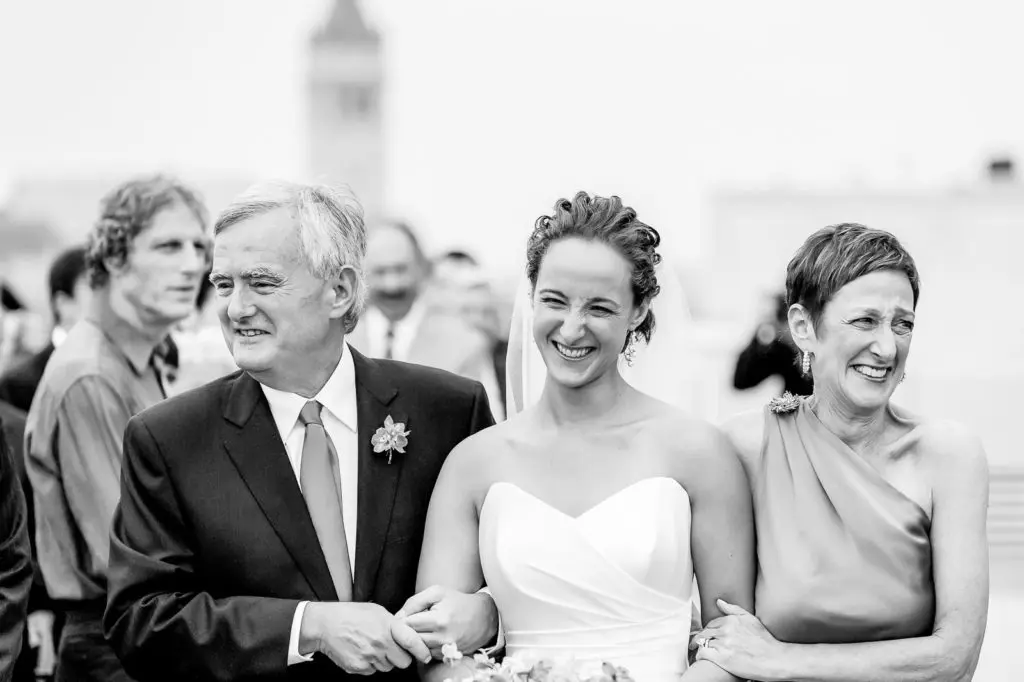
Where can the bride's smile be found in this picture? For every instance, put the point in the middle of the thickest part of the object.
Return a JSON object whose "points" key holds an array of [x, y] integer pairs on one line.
{"points": [[573, 353]]}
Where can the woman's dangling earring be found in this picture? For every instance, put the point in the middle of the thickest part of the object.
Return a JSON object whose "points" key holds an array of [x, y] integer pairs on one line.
{"points": [[805, 364], [902, 377], [630, 348]]}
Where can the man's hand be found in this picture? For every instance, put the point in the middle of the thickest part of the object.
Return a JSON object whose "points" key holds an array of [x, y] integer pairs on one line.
{"points": [[360, 638], [40, 636], [439, 615]]}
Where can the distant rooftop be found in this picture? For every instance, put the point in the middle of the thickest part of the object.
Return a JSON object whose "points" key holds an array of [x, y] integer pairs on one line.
{"points": [[345, 25]]}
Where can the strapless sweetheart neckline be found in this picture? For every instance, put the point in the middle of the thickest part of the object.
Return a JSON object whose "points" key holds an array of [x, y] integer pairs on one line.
{"points": [[591, 509], [612, 583]]}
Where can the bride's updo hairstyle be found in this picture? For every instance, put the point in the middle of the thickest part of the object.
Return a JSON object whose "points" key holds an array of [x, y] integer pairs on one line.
{"points": [[602, 219]]}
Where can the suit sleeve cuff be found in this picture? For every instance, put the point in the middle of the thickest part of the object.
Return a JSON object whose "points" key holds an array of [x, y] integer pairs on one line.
{"points": [[294, 656], [499, 641]]}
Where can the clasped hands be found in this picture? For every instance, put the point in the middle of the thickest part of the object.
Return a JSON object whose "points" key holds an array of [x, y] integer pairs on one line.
{"points": [[364, 638], [738, 642]]}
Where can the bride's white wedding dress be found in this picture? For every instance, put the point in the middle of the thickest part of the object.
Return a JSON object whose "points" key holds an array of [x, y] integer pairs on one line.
{"points": [[612, 584]]}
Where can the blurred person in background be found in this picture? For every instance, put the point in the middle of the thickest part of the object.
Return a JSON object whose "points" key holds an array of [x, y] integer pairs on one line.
{"points": [[9, 305], [38, 653], [202, 354], [400, 322], [15, 561], [8, 299], [69, 297], [23, 331], [462, 283], [871, 520], [145, 257], [771, 352]]}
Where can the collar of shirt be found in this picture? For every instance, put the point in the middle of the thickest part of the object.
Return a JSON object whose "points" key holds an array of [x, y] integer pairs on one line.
{"points": [[405, 330], [136, 346], [338, 396]]}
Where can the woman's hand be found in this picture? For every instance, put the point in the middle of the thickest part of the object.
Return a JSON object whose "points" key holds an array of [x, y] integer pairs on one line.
{"points": [[440, 615], [739, 643]]}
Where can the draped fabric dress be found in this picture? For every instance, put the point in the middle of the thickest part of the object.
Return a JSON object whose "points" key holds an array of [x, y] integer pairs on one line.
{"points": [[843, 556]]}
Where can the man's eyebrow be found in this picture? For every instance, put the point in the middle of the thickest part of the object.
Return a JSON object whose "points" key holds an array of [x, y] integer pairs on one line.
{"points": [[260, 271]]}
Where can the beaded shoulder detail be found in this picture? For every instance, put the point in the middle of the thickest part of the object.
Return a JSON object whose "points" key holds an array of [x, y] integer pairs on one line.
{"points": [[785, 403]]}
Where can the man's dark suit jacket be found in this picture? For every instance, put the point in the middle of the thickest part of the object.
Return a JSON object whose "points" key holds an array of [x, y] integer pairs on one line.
{"points": [[15, 558], [12, 423], [18, 385], [213, 547]]}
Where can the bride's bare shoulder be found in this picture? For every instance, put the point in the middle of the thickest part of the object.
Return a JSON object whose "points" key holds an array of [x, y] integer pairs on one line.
{"points": [[482, 455], [678, 430], [745, 432], [741, 434]]}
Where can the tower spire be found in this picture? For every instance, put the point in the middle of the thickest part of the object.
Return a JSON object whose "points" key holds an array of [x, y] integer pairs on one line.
{"points": [[345, 25]]}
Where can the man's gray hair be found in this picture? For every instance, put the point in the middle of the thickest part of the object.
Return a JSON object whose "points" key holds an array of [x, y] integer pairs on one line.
{"points": [[330, 223]]}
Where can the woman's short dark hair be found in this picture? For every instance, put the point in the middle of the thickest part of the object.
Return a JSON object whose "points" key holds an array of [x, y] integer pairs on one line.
{"points": [[125, 212], [836, 255], [602, 219]]}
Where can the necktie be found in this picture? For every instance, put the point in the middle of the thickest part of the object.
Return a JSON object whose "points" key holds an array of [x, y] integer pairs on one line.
{"points": [[389, 342], [165, 363], [321, 486]]}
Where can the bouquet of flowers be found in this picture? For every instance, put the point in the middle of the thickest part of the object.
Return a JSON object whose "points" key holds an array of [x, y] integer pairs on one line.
{"points": [[520, 669]]}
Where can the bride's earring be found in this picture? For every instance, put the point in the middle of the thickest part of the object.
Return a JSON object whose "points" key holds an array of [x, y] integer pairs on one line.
{"points": [[902, 377], [805, 364], [630, 348]]}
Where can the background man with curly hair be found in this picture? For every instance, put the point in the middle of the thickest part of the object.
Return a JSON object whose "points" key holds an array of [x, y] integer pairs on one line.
{"points": [[146, 256]]}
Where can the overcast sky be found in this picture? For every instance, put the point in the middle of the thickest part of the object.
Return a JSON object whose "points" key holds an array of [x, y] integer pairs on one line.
{"points": [[494, 110]]}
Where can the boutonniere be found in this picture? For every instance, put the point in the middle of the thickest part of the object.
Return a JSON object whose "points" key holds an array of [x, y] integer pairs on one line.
{"points": [[390, 438], [787, 402]]}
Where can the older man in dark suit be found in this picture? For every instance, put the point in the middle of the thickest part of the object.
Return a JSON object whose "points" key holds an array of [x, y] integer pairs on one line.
{"points": [[270, 522]]}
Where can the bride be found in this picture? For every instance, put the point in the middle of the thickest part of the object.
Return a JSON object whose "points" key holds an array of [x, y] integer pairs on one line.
{"points": [[587, 514]]}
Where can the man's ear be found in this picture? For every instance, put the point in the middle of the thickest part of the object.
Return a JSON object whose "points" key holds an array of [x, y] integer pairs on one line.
{"points": [[344, 289]]}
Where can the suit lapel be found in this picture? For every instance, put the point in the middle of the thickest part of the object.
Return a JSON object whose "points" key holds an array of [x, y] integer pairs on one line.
{"points": [[378, 479], [255, 447]]}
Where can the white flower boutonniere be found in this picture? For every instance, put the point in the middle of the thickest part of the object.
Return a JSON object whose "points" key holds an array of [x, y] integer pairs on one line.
{"points": [[390, 438]]}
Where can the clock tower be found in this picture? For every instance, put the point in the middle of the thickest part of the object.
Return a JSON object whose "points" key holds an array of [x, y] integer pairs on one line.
{"points": [[345, 126]]}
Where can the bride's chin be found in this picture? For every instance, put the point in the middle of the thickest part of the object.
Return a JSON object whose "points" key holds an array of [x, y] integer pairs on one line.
{"points": [[564, 376], [567, 378]]}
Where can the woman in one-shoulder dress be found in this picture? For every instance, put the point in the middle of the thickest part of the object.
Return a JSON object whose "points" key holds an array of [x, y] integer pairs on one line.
{"points": [[872, 550]]}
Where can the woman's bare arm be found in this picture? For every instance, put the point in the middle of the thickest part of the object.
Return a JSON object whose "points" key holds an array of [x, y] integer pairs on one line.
{"points": [[721, 537]]}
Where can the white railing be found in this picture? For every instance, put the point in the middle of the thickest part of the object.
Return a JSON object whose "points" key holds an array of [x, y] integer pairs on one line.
{"points": [[1006, 514]]}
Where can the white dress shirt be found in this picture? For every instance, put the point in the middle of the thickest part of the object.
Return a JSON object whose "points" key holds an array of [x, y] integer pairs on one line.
{"points": [[338, 397], [405, 331]]}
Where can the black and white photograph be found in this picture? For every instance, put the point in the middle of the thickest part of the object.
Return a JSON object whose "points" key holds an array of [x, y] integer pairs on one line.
{"points": [[535, 341]]}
